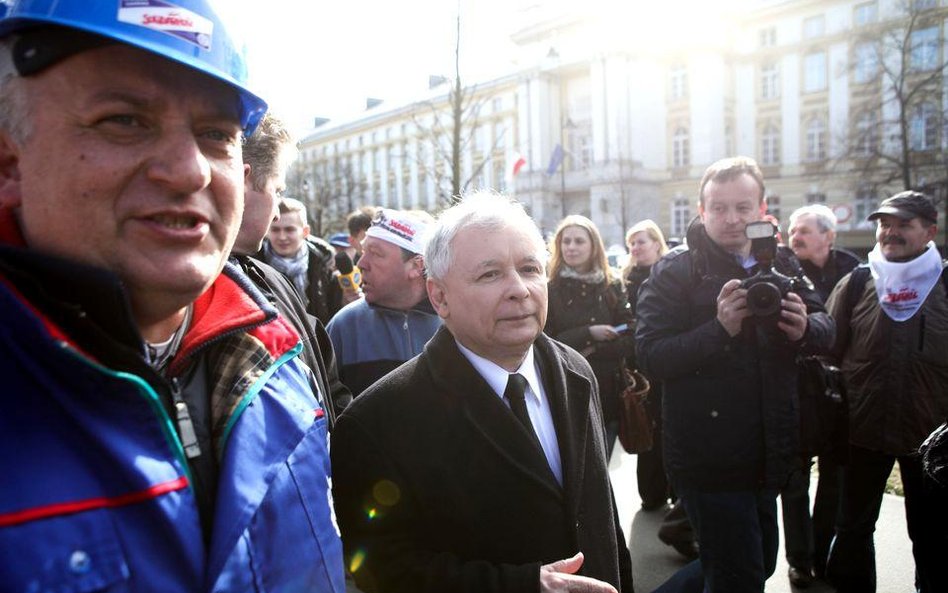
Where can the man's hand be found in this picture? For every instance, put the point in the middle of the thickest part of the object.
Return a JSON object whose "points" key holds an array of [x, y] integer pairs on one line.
{"points": [[603, 333], [793, 317], [732, 307], [560, 577]]}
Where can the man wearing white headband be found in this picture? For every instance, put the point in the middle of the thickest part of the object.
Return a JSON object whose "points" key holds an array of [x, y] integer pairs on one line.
{"points": [[374, 335], [892, 334]]}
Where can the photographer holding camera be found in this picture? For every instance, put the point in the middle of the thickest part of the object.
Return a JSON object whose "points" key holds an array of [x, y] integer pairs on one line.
{"points": [[720, 324]]}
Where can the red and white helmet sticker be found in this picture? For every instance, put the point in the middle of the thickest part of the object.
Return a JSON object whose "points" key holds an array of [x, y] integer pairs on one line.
{"points": [[168, 18]]}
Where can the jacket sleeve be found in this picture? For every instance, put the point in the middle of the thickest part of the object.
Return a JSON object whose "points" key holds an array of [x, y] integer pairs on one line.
{"points": [[666, 344], [820, 327], [339, 394], [619, 313], [836, 305], [376, 511]]}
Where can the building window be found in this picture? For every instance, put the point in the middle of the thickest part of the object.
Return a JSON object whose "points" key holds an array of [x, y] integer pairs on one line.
{"points": [[768, 37], [923, 127], [497, 105], [814, 27], [769, 81], [865, 13], [773, 206], [680, 217], [815, 198], [865, 204], [580, 147], [866, 62], [680, 150], [814, 72], [678, 79], [770, 146], [816, 140], [924, 49], [866, 135], [924, 4]]}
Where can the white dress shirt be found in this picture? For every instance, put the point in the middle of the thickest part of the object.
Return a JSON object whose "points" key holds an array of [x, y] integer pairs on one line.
{"points": [[538, 404]]}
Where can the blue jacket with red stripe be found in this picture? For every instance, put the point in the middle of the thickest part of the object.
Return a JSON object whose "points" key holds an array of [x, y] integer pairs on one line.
{"points": [[96, 493]]}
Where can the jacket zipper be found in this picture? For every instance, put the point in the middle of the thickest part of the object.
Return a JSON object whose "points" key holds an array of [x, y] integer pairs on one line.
{"points": [[189, 440]]}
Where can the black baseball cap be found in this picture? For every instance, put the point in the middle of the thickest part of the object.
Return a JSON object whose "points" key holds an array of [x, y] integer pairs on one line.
{"points": [[907, 205]]}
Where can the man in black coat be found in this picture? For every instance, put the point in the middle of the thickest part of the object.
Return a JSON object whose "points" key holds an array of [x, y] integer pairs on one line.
{"points": [[730, 419], [478, 466], [811, 233]]}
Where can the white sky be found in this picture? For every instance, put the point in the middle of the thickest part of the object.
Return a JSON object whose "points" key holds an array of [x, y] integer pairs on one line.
{"points": [[322, 59]]}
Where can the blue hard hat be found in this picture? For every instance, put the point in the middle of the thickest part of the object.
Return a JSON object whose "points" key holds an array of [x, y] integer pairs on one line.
{"points": [[187, 31]]}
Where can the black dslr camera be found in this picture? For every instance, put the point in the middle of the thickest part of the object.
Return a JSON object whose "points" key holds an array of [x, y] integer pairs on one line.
{"points": [[766, 288]]}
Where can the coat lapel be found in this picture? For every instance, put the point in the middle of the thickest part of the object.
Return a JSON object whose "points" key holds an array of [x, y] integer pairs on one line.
{"points": [[569, 394], [492, 425]]}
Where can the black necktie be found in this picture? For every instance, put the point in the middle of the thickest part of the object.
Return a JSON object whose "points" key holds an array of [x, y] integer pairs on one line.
{"points": [[516, 388]]}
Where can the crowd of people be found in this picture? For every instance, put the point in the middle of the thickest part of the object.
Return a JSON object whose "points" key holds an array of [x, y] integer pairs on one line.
{"points": [[179, 351]]}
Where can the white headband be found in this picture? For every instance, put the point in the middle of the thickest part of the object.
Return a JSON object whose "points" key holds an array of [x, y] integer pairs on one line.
{"points": [[399, 228]]}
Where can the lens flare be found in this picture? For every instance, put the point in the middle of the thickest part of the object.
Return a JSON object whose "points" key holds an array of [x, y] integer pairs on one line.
{"points": [[386, 493], [357, 559]]}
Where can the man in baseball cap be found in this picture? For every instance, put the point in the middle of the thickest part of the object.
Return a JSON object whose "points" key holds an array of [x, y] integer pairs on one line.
{"points": [[159, 432], [890, 344], [374, 335]]}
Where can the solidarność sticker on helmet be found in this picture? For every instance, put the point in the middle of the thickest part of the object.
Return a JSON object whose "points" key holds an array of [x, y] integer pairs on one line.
{"points": [[168, 18]]}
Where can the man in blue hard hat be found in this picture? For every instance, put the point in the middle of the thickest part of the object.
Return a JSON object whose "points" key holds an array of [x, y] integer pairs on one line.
{"points": [[158, 433]]}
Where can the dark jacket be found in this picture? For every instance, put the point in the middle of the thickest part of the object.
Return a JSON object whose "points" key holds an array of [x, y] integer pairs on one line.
{"points": [[574, 306], [730, 404], [633, 283], [839, 263], [317, 348], [439, 489], [896, 371]]}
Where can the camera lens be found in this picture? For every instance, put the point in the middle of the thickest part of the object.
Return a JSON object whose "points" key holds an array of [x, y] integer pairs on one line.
{"points": [[763, 299]]}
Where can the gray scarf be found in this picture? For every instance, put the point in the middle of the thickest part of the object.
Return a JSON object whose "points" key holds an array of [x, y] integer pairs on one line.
{"points": [[294, 267]]}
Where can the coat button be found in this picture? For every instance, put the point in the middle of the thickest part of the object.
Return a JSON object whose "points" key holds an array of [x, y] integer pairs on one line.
{"points": [[80, 562]]}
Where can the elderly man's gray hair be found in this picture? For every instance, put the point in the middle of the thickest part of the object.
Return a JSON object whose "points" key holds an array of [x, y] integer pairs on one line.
{"points": [[481, 210], [825, 219]]}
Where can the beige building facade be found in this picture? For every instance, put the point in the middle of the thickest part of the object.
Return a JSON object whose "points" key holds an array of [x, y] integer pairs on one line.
{"points": [[618, 123]]}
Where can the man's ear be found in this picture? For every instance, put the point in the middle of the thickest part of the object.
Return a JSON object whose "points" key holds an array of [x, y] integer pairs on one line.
{"points": [[246, 175], [416, 267], [10, 192], [932, 230], [763, 206], [437, 297], [305, 230]]}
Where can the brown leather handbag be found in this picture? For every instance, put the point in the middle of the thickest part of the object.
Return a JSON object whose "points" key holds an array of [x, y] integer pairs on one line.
{"points": [[635, 423]]}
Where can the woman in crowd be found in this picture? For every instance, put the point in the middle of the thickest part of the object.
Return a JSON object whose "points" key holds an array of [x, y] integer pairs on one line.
{"points": [[588, 310], [647, 245]]}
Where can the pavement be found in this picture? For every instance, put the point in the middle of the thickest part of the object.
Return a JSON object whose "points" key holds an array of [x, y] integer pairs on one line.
{"points": [[653, 562]]}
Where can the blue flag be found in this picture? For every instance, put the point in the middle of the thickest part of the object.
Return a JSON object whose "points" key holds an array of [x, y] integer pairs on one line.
{"points": [[556, 159]]}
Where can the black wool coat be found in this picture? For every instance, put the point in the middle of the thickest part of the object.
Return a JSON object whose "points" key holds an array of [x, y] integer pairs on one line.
{"points": [[574, 306], [438, 488]]}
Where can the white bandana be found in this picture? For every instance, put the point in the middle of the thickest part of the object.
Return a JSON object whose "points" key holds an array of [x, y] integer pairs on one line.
{"points": [[902, 287]]}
